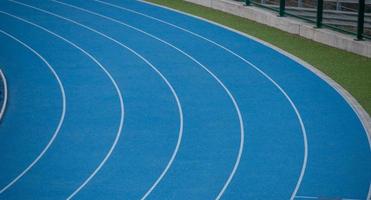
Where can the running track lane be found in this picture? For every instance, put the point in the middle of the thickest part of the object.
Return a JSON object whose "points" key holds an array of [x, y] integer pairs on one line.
{"points": [[81, 126], [201, 118], [346, 164], [147, 112], [234, 79], [28, 77], [178, 195]]}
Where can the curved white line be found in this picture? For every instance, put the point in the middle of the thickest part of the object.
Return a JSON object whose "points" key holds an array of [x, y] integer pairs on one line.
{"points": [[56, 132], [242, 136], [252, 65], [5, 100], [180, 134], [112, 80], [356, 107]]}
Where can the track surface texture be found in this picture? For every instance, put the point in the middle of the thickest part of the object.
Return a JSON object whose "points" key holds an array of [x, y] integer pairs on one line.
{"points": [[122, 99]]}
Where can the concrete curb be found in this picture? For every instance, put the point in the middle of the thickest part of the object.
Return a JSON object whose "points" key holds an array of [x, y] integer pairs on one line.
{"points": [[290, 25]]}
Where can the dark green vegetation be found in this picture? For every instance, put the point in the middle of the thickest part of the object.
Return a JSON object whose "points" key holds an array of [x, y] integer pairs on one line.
{"points": [[351, 71]]}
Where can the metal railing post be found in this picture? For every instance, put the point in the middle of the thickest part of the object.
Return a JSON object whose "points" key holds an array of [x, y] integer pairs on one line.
{"points": [[300, 3], [361, 19], [282, 8], [319, 13]]}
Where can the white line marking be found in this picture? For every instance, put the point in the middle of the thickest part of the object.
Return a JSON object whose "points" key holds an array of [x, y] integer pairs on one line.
{"points": [[180, 134], [5, 100], [354, 104], [206, 69], [261, 72], [306, 197], [356, 107], [61, 120], [310, 197], [349, 199], [115, 85]]}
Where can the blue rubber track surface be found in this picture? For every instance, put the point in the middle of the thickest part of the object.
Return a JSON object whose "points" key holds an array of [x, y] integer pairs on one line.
{"points": [[126, 100]]}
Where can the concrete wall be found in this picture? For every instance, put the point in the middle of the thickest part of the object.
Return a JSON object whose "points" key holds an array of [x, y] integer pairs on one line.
{"points": [[291, 25]]}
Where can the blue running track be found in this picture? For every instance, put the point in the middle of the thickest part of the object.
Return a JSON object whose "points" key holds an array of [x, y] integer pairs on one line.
{"points": [[121, 99]]}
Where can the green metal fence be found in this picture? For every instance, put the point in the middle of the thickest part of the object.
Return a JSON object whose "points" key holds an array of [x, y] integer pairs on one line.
{"points": [[347, 16]]}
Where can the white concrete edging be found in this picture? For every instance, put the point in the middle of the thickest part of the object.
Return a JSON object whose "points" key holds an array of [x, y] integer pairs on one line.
{"points": [[290, 25]]}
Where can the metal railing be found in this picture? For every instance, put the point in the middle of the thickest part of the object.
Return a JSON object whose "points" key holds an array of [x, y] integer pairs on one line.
{"points": [[347, 16], [4, 95]]}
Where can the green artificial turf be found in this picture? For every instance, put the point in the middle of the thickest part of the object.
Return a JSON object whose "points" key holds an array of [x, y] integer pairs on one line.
{"points": [[351, 71]]}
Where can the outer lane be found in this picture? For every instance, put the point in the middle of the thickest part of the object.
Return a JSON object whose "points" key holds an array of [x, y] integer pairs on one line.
{"points": [[339, 161]]}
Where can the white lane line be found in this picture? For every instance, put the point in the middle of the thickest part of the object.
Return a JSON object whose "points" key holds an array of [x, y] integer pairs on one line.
{"points": [[5, 98], [305, 197], [61, 120], [357, 108], [180, 134], [354, 104], [349, 199], [311, 197], [256, 68], [116, 88], [242, 134]]}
